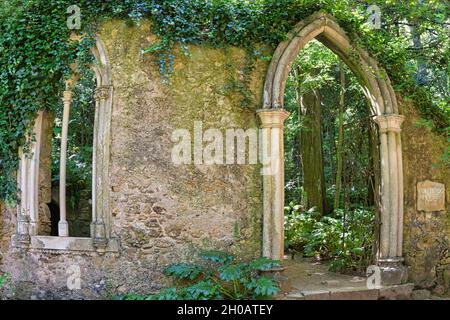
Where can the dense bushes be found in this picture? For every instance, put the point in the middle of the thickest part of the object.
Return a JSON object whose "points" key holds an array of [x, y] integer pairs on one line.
{"points": [[346, 241]]}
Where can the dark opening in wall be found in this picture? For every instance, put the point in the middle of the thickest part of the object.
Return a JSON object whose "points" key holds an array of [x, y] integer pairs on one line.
{"points": [[54, 217]]}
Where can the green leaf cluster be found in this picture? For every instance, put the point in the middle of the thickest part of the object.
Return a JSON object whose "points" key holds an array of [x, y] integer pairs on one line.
{"points": [[219, 276], [348, 246]]}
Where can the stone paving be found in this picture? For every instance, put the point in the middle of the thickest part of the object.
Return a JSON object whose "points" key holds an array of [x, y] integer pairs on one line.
{"points": [[308, 279]]}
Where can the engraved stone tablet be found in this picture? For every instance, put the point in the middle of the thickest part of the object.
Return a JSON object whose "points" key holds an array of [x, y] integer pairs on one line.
{"points": [[430, 196]]}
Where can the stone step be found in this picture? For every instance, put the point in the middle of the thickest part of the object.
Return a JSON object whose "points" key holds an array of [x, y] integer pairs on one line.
{"points": [[397, 292]]}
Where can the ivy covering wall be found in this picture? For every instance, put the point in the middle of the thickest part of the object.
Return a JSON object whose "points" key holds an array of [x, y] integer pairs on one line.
{"points": [[36, 51]]}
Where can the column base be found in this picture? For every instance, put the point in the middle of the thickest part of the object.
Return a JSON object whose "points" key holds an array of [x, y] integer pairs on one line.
{"points": [[63, 229], [92, 230], [393, 271], [100, 241], [21, 240], [100, 244], [33, 228]]}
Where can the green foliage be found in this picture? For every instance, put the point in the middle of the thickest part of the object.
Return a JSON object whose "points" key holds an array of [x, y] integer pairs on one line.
{"points": [[35, 51], [317, 68], [4, 278], [220, 276], [217, 256], [183, 271], [262, 287], [298, 226], [348, 245]]}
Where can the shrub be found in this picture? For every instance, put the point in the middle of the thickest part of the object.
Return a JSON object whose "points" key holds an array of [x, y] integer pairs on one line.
{"points": [[349, 246], [3, 279], [219, 276]]}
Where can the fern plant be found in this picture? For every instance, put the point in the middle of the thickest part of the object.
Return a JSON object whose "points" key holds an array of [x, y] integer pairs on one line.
{"points": [[219, 276]]}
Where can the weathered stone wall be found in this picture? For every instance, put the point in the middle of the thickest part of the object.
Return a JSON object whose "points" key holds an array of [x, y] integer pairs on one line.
{"points": [[426, 234], [162, 213], [45, 176]]}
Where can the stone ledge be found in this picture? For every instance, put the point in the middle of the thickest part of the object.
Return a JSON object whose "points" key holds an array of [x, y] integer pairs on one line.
{"points": [[68, 244], [398, 292]]}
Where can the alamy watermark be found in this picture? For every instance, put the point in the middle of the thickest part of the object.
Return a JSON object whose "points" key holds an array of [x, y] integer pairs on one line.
{"points": [[374, 20], [373, 274], [230, 146], [74, 277], [74, 20]]}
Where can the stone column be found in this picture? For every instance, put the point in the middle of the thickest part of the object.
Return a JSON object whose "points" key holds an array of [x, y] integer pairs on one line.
{"points": [[28, 181], [390, 258], [33, 179], [102, 93], [63, 226], [272, 158], [22, 236], [94, 166]]}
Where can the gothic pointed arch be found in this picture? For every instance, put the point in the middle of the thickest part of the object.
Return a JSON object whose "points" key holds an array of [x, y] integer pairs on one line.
{"points": [[385, 111]]}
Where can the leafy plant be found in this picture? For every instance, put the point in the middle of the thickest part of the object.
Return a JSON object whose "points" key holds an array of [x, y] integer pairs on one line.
{"points": [[220, 276], [3, 279], [348, 246]]}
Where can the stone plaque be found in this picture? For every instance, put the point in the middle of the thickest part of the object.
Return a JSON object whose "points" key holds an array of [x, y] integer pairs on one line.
{"points": [[430, 196]]}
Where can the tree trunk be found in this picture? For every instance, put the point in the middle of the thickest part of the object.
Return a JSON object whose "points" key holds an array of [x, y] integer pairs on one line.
{"points": [[311, 151], [422, 72], [340, 144]]}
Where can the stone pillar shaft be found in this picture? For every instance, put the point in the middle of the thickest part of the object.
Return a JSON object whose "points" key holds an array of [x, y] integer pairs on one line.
{"points": [[272, 157], [33, 199], [384, 167], [28, 180], [63, 226], [23, 219], [94, 168], [393, 193], [391, 235], [98, 227]]}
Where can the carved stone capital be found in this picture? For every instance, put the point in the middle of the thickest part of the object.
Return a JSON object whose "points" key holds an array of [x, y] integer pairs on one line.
{"points": [[102, 92], [272, 118], [389, 122], [67, 96]]}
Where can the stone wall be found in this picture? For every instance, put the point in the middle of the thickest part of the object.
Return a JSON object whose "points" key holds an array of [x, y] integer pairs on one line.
{"points": [[426, 234], [45, 176], [162, 213]]}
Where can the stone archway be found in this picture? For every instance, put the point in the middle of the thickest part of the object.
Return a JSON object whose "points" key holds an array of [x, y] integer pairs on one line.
{"points": [[379, 92]]}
